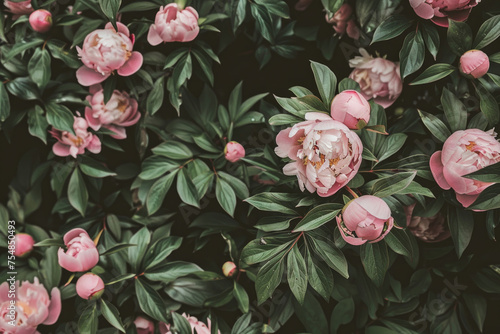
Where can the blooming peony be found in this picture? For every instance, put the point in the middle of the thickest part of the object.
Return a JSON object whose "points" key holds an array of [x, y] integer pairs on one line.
{"points": [[427, 229], [107, 50], [474, 63], [90, 286], [118, 113], [326, 154], [33, 307], [81, 254], [70, 144], [199, 326], [438, 11], [366, 218], [173, 24], [342, 22], [378, 78], [464, 152], [350, 107]]}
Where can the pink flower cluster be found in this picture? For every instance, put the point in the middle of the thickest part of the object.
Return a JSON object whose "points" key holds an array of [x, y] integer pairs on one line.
{"points": [[74, 144]]}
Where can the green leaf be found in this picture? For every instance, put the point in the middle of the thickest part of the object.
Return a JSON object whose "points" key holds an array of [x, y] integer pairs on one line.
{"points": [[333, 257], [111, 314], [173, 150], [271, 202], [433, 73], [459, 37], [320, 277], [477, 307], [21, 46], [77, 192], [392, 184], [135, 254], [326, 81], [431, 37], [375, 260], [488, 105], [138, 6], [454, 110], [489, 199], [39, 67], [186, 189], [37, 123], [488, 32], [318, 216], [461, 224], [391, 27], [412, 54], [399, 242], [268, 278], [87, 324], [311, 315], [23, 88], [332, 6], [161, 250], [60, 117], [170, 271], [435, 126], [225, 196], [276, 7], [116, 249], [181, 324], [93, 168], [4, 103], [261, 250], [155, 97], [297, 274], [110, 8], [158, 191], [241, 297], [343, 313], [263, 21], [120, 278], [238, 13], [391, 145], [150, 301], [489, 173]]}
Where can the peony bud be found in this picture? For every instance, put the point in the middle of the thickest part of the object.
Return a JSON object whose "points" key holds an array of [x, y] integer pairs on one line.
{"points": [[144, 326], [474, 63], [234, 151], [24, 244], [350, 107], [229, 269], [90, 286], [41, 20]]}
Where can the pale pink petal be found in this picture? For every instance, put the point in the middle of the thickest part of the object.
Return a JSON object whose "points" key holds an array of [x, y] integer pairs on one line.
{"points": [[132, 65], [54, 307], [89, 77], [437, 170]]}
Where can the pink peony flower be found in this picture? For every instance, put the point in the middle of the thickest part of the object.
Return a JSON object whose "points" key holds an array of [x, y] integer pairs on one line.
{"points": [[19, 8], [326, 154], [438, 11], [24, 244], [144, 326], [427, 229], [366, 218], [350, 107], [353, 30], [199, 326], [33, 306], [69, 144], [474, 63], [378, 78], [107, 50], [81, 255], [41, 20], [234, 151], [118, 113], [343, 22], [173, 24], [90, 286], [464, 152], [229, 269], [302, 5]]}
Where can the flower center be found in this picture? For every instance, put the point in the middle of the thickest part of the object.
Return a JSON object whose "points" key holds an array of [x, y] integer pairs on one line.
{"points": [[471, 146]]}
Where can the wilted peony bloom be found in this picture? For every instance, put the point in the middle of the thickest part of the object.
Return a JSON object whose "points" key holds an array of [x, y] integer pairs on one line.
{"points": [[464, 152], [229, 269], [106, 50], [82, 254], [90, 286], [427, 229], [173, 24], [33, 307], [24, 244], [366, 218], [69, 144], [302, 5], [234, 151], [438, 11], [378, 78], [343, 22], [144, 326], [41, 20], [199, 326], [326, 154], [474, 63], [19, 8], [118, 113], [350, 107]]}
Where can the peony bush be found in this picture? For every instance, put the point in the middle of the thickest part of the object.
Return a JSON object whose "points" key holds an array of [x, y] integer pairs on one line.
{"points": [[246, 167]]}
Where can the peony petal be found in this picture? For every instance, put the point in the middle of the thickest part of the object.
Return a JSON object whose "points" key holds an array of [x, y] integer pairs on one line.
{"points": [[153, 37], [119, 131], [88, 77], [466, 200], [132, 65], [437, 170], [60, 149], [68, 262], [54, 307], [74, 233]]}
